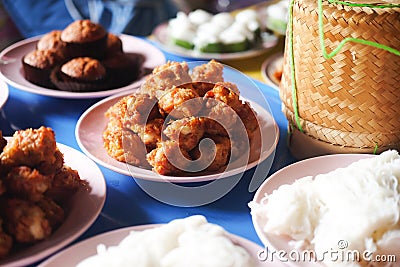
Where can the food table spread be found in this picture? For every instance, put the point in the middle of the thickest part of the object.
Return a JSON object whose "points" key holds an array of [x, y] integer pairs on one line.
{"points": [[126, 203]]}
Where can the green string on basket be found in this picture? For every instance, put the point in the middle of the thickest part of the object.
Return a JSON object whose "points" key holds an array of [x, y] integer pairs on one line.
{"points": [[323, 48]]}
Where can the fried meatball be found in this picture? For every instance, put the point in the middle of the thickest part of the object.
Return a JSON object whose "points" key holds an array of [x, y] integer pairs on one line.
{"points": [[27, 183], [165, 77], [25, 221], [187, 132], [169, 159], [209, 72], [179, 102], [31, 147]]}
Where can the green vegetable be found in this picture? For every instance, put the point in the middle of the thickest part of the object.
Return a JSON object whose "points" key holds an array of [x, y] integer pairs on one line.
{"points": [[184, 44]]}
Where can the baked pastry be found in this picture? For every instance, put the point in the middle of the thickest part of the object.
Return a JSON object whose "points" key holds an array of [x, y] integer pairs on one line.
{"points": [[123, 68], [38, 65], [52, 40], [79, 75], [85, 38]]}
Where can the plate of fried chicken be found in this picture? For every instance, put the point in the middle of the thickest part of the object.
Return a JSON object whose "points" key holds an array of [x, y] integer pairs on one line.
{"points": [[188, 122], [50, 194]]}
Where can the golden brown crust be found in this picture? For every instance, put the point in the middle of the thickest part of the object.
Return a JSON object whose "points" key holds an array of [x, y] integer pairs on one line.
{"points": [[84, 68], [51, 40], [82, 31], [43, 59]]}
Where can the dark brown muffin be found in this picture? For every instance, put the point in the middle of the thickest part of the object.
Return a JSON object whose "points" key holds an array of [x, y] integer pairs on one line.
{"points": [[84, 38], [38, 64], [80, 74], [123, 68], [114, 44]]}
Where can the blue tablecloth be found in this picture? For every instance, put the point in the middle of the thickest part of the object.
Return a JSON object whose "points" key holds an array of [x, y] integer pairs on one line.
{"points": [[127, 204]]}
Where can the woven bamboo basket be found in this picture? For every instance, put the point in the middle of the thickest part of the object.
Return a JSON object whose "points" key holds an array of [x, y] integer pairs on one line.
{"points": [[349, 103]]}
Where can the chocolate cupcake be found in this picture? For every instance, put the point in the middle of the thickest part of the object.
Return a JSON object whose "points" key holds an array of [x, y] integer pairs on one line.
{"points": [[38, 65], [84, 38], [123, 68], [81, 74]]}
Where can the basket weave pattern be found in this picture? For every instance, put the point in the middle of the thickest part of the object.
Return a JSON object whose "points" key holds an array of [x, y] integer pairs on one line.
{"points": [[352, 99]]}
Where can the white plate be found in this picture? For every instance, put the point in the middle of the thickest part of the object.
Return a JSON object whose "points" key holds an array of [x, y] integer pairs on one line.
{"points": [[268, 68], [85, 208], [91, 124], [78, 252], [3, 93], [161, 37], [12, 73], [289, 174]]}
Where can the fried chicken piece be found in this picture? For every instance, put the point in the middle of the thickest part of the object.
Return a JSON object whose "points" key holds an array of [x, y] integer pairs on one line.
{"points": [[65, 183], [2, 185], [112, 135], [209, 72], [124, 145], [27, 183], [141, 108], [47, 168], [248, 117], [25, 221], [219, 118], [134, 149], [53, 212], [201, 88], [169, 159], [3, 141], [31, 147], [231, 86], [118, 110], [214, 155], [186, 132], [6, 242], [151, 133], [224, 94], [245, 115], [112, 140], [165, 77], [179, 102]]}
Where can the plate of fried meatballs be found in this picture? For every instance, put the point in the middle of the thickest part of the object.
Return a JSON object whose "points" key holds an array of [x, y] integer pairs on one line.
{"points": [[49, 195], [83, 60], [188, 122]]}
